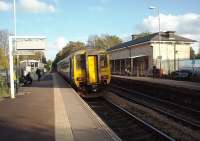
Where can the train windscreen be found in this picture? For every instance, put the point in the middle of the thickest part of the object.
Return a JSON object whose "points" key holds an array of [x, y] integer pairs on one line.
{"points": [[80, 61], [103, 61]]}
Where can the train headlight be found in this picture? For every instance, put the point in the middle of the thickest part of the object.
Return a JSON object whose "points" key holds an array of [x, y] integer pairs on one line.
{"points": [[80, 79], [104, 77]]}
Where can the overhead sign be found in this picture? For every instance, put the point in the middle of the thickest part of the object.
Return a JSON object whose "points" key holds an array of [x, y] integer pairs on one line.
{"points": [[30, 42], [25, 52]]}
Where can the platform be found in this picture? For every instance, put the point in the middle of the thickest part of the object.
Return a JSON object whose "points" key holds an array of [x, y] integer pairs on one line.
{"points": [[172, 83], [50, 110]]}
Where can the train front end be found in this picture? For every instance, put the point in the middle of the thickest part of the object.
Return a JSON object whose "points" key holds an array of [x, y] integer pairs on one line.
{"points": [[94, 73]]}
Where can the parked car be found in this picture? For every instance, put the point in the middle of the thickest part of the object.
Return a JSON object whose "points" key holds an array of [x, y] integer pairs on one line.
{"points": [[182, 74]]}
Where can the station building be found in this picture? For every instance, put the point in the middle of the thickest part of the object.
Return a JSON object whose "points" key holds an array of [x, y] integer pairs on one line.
{"points": [[159, 50]]}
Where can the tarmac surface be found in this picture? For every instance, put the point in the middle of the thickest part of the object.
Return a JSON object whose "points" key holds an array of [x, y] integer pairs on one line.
{"points": [[50, 110], [29, 117]]}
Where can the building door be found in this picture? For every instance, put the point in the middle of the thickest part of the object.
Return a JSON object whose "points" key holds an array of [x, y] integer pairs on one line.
{"points": [[142, 68], [92, 69]]}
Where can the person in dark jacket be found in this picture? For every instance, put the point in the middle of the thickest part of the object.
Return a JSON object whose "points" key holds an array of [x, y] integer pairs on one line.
{"points": [[38, 72]]}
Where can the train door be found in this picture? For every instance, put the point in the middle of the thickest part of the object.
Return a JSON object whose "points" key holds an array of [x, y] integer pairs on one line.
{"points": [[92, 69]]}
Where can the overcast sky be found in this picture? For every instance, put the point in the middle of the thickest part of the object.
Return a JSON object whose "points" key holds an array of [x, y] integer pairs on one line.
{"points": [[65, 20]]}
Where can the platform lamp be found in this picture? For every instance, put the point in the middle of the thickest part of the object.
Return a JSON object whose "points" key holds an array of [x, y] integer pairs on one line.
{"points": [[158, 12], [12, 89]]}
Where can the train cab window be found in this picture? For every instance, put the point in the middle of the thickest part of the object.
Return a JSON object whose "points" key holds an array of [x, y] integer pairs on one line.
{"points": [[36, 64], [103, 61], [32, 64], [80, 61]]}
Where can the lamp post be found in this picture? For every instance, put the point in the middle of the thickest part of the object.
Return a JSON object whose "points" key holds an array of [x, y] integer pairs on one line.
{"points": [[158, 12], [12, 88]]}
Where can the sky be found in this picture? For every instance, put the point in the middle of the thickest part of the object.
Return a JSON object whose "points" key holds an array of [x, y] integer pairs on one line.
{"points": [[62, 21]]}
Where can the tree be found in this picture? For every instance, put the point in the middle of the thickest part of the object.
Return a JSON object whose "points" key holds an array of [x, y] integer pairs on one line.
{"points": [[144, 34], [3, 60], [56, 60], [39, 55], [4, 40], [66, 51], [70, 48], [198, 53], [48, 65], [103, 41], [192, 53]]}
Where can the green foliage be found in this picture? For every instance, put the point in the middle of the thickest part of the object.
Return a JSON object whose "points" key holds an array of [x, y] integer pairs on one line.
{"points": [[99, 42], [4, 90], [192, 53], [198, 53], [70, 48], [103, 41], [66, 51], [39, 55], [48, 65], [144, 34], [3, 60]]}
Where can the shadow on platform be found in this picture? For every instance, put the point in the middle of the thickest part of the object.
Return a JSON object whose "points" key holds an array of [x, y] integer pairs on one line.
{"points": [[9, 132]]}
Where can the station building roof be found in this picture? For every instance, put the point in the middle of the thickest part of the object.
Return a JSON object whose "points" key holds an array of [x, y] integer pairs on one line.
{"points": [[164, 36]]}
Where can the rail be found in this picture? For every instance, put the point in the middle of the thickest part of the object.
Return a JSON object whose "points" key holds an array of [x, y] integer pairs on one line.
{"points": [[126, 125], [177, 112]]}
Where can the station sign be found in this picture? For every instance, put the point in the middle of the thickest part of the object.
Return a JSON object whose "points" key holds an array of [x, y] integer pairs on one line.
{"points": [[30, 43], [25, 52]]}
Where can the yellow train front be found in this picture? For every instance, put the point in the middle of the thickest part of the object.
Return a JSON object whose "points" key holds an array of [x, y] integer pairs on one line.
{"points": [[88, 70]]}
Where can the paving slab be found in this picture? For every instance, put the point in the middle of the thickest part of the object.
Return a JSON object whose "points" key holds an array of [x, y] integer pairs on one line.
{"points": [[85, 125], [30, 116]]}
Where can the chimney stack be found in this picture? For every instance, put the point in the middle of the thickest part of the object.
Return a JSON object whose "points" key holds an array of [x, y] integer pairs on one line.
{"points": [[135, 36], [170, 34]]}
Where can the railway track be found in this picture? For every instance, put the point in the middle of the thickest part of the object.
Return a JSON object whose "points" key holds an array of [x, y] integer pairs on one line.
{"points": [[187, 116], [126, 125]]}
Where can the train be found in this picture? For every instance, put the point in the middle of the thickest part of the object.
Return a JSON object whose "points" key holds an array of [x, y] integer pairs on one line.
{"points": [[87, 70]]}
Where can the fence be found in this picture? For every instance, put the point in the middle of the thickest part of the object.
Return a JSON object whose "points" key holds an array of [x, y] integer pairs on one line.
{"points": [[170, 65], [4, 90]]}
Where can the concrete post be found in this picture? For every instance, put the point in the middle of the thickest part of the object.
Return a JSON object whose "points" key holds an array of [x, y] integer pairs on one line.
{"points": [[12, 89]]}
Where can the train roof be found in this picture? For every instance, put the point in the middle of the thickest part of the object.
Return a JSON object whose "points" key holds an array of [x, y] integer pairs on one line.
{"points": [[88, 51]]}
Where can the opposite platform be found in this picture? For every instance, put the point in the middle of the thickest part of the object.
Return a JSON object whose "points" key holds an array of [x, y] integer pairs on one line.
{"points": [[173, 83]]}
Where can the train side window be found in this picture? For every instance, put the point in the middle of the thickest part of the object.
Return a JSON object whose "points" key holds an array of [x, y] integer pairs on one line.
{"points": [[29, 64], [103, 61], [80, 61]]}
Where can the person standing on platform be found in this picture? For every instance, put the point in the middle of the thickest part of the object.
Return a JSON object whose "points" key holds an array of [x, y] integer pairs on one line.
{"points": [[154, 71], [38, 72]]}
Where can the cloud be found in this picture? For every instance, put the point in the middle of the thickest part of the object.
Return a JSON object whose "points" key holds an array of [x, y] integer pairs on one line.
{"points": [[187, 25], [60, 42], [36, 6], [5, 6], [55, 47]]}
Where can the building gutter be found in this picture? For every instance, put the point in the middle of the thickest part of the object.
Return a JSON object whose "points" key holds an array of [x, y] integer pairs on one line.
{"points": [[182, 42], [130, 46]]}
